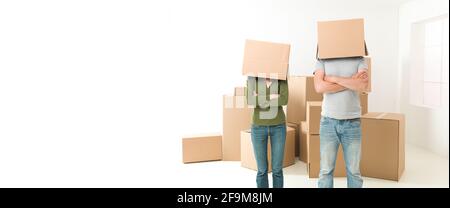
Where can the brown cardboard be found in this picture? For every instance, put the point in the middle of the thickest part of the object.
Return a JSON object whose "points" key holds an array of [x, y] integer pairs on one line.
{"points": [[364, 101], [265, 59], [248, 157], [313, 110], [239, 91], [236, 117], [314, 158], [341, 38], [301, 90], [383, 145], [297, 137], [303, 142], [368, 61], [201, 148]]}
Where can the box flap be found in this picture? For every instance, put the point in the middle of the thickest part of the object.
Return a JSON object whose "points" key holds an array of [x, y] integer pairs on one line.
{"points": [[385, 116]]}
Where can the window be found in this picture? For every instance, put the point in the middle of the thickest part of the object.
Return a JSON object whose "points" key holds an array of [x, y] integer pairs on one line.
{"points": [[429, 62]]}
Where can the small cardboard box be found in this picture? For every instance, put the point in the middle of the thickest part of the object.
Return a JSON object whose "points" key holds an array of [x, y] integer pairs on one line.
{"points": [[313, 115], [248, 157], [303, 148], [364, 101], [383, 145], [266, 59], [341, 38], [297, 137], [301, 90], [314, 158], [199, 148], [236, 117]]}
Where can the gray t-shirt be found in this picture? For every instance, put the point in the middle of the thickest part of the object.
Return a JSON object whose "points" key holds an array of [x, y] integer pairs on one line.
{"points": [[344, 104]]}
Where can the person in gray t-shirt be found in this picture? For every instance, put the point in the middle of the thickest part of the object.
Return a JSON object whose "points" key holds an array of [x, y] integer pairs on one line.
{"points": [[340, 80]]}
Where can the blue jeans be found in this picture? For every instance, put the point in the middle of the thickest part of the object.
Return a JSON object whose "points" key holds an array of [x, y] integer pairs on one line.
{"points": [[332, 133], [260, 136]]}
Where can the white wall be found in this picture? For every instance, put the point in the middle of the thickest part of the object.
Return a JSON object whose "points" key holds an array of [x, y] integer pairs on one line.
{"points": [[98, 93], [426, 127]]}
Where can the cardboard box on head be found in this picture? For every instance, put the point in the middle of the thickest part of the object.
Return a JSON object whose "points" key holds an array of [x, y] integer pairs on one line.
{"points": [[341, 39], [266, 59]]}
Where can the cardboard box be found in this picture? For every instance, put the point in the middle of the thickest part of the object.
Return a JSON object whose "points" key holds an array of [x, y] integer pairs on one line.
{"points": [[248, 157], [341, 38], [368, 61], [237, 116], [314, 158], [313, 115], [201, 148], [383, 145], [297, 137], [364, 101], [301, 90], [303, 148], [239, 91], [266, 59]]}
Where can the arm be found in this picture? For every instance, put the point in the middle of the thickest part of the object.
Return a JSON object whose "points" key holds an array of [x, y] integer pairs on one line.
{"points": [[357, 82], [250, 93], [282, 98], [274, 100], [323, 86]]}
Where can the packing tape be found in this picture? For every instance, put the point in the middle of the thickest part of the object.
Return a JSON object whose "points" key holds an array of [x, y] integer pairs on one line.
{"points": [[381, 115]]}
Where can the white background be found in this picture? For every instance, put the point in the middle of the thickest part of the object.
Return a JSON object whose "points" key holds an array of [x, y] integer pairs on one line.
{"points": [[99, 93]]}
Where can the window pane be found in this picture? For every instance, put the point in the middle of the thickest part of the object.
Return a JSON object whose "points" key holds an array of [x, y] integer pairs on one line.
{"points": [[433, 33], [445, 64], [433, 64], [432, 94]]}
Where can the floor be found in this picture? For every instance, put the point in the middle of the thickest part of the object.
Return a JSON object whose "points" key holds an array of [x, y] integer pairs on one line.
{"points": [[423, 169]]}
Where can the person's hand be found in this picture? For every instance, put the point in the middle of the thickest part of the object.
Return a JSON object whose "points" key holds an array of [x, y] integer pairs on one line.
{"points": [[255, 94], [274, 96], [360, 75]]}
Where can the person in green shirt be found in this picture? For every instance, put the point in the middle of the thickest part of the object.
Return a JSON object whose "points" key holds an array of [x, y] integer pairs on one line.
{"points": [[268, 96]]}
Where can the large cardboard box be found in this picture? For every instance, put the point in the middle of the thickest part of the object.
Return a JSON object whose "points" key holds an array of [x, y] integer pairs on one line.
{"points": [[364, 101], [314, 158], [236, 117], [301, 90], [248, 157], [383, 145], [266, 59], [341, 38], [303, 148], [199, 148], [368, 61], [297, 137], [313, 115]]}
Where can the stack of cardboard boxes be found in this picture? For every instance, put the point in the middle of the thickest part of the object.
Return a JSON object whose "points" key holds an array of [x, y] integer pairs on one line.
{"points": [[382, 133], [301, 90]]}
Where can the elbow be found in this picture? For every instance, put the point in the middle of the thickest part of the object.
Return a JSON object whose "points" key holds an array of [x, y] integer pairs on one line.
{"points": [[319, 88]]}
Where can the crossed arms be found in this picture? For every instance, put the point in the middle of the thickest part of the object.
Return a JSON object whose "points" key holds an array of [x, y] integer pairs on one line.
{"points": [[331, 84]]}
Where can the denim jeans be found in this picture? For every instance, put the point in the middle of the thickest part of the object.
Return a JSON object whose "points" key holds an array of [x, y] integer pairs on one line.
{"points": [[332, 133], [260, 137]]}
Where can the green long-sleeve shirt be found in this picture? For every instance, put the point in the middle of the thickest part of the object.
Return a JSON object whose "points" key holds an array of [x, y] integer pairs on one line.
{"points": [[267, 111]]}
